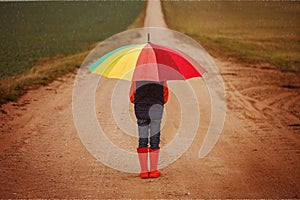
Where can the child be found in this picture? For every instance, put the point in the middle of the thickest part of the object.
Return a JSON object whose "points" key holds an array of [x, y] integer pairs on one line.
{"points": [[149, 98]]}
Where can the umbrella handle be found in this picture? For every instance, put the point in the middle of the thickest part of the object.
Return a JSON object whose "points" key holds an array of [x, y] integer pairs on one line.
{"points": [[148, 37]]}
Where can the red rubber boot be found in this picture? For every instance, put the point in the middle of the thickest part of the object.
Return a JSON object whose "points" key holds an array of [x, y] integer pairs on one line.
{"points": [[143, 158], [154, 155]]}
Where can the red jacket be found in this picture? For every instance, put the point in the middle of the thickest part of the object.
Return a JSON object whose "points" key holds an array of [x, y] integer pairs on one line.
{"points": [[133, 92]]}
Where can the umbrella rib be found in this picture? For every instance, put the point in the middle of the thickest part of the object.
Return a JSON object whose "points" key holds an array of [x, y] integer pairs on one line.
{"points": [[156, 62]]}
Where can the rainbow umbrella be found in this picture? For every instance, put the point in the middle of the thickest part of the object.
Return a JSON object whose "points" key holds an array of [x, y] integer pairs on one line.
{"points": [[147, 61]]}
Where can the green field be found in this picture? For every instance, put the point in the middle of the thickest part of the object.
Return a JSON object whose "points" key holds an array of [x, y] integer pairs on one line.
{"points": [[30, 31], [249, 31]]}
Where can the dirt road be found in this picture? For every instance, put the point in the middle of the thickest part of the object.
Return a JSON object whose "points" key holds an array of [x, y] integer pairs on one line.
{"points": [[257, 155]]}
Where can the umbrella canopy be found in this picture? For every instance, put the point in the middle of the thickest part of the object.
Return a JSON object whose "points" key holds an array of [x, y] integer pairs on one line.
{"points": [[147, 61]]}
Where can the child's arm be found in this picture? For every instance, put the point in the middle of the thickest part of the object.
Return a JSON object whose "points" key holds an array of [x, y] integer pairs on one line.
{"points": [[166, 93], [132, 92]]}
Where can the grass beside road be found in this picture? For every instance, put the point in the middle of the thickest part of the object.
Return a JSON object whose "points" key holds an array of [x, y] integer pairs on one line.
{"points": [[32, 30], [47, 69], [249, 31], [44, 71]]}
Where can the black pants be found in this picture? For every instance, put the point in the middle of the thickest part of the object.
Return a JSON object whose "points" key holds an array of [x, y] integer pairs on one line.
{"points": [[143, 127]]}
